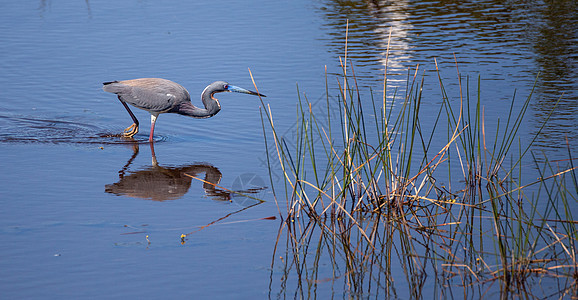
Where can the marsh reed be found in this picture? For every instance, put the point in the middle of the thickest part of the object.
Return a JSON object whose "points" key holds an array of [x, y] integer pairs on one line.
{"points": [[379, 203]]}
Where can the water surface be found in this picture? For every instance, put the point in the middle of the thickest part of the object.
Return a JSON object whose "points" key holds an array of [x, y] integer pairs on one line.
{"points": [[76, 223]]}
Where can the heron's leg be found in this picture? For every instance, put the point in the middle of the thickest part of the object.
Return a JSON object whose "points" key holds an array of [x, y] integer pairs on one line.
{"points": [[132, 129], [153, 121]]}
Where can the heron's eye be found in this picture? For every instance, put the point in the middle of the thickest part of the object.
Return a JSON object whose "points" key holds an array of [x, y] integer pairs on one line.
{"points": [[226, 87]]}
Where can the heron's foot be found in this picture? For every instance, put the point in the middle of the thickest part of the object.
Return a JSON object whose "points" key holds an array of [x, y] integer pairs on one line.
{"points": [[130, 131]]}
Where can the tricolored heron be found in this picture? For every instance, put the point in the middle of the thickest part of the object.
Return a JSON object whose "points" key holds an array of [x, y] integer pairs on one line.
{"points": [[158, 96]]}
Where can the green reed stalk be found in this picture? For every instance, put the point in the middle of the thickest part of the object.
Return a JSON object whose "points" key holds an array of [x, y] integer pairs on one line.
{"points": [[377, 202]]}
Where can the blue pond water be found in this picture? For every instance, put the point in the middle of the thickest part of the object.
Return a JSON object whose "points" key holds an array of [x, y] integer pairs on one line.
{"points": [[74, 221]]}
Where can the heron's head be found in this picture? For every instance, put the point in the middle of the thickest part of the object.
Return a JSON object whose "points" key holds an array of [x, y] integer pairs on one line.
{"points": [[222, 86]]}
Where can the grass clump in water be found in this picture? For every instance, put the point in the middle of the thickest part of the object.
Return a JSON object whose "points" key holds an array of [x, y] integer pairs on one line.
{"points": [[367, 207]]}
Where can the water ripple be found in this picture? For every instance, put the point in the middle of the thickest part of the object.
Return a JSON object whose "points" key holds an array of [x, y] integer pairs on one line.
{"points": [[21, 129]]}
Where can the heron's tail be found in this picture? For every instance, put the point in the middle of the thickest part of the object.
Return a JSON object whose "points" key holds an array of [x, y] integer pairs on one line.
{"points": [[113, 87]]}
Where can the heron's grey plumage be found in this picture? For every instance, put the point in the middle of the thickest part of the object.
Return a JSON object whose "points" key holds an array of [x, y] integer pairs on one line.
{"points": [[157, 96]]}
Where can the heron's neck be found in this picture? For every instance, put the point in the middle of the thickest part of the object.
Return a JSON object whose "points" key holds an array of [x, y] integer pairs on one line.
{"points": [[212, 107]]}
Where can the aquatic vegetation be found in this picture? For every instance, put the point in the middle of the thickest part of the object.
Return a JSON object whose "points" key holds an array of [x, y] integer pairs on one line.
{"points": [[395, 207]]}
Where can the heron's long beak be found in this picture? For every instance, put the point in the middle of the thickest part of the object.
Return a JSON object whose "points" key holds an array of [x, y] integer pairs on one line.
{"points": [[237, 89]]}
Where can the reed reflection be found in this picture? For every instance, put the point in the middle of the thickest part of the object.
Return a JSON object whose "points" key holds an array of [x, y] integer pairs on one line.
{"points": [[507, 43], [160, 183]]}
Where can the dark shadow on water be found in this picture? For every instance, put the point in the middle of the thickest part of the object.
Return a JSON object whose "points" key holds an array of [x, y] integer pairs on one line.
{"points": [[155, 182], [19, 129], [160, 183]]}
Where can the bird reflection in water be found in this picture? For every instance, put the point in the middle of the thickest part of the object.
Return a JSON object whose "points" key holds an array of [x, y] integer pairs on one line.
{"points": [[167, 183]]}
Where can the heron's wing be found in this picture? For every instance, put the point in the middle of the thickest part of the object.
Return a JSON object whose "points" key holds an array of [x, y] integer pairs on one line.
{"points": [[149, 98]]}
